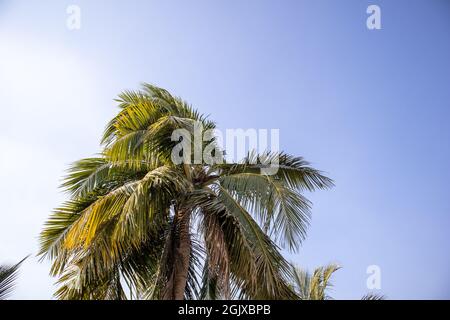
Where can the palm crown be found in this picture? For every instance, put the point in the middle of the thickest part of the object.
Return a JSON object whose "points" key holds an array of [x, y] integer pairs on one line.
{"points": [[316, 286], [137, 220]]}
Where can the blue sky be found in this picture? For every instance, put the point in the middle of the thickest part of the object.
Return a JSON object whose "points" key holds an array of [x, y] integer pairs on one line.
{"points": [[369, 107]]}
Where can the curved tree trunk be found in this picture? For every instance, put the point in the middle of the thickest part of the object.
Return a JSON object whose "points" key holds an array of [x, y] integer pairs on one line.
{"points": [[179, 259]]}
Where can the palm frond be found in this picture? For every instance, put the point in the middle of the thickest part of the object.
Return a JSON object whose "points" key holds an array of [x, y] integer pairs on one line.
{"points": [[283, 212], [296, 172], [314, 286], [269, 266], [373, 296], [8, 278]]}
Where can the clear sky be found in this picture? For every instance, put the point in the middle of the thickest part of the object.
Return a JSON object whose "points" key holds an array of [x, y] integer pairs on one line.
{"points": [[369, 107]]}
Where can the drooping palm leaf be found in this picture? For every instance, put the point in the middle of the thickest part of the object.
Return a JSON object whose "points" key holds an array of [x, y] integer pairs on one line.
{"points": [[8, 278]]}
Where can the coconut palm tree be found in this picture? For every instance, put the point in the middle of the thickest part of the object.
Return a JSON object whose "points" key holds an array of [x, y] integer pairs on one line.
{"points": [[8, 277], [137, 220], [316, 286]]}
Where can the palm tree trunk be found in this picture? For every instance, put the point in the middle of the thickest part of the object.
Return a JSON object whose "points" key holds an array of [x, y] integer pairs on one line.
{"points": [[180, 257]]}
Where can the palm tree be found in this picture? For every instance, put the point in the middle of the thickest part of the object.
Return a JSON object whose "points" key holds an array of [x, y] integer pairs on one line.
{"points": [[8, 277], [136, 220], [315, 286]]}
